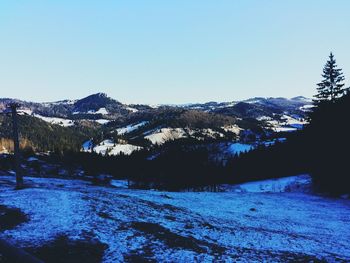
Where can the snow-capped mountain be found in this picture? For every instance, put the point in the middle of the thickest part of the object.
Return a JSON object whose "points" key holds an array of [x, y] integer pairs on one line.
{"points": [[139, 125], [100, 105]]}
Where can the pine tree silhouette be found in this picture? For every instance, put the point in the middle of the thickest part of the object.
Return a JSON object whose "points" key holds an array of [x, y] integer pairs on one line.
{"points": [[331, 87]]}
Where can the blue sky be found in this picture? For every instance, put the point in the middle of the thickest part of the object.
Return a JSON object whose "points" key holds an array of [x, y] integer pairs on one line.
{"points": [[174, 51]]}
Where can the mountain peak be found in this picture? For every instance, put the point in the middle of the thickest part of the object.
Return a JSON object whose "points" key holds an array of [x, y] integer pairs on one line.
{"points": [[98, 95], [301, 98]]}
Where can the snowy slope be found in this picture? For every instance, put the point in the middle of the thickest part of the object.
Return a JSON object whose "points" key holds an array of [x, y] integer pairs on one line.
{"points": [[160, 136], [300, 183], [285, 123], [109, 147], [102, 111], [166, 134], [55, 120], [102, 121], [182, 227], [131, 127]]}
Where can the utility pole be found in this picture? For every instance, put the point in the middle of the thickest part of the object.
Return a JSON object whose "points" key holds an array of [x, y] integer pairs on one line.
{"points": [[19, 178]]}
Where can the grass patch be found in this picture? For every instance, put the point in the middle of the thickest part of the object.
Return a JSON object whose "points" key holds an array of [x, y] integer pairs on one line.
{"points": [[65, 250], [173, 240], [11, 217]]}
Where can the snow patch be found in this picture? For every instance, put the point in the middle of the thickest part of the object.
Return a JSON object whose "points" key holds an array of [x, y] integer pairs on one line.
{"points": [[102, 121], [102, 111], [109, 147], [166, 134], [299, 183], [25, 112], [232, 128], [55, 120], [131, 127]]}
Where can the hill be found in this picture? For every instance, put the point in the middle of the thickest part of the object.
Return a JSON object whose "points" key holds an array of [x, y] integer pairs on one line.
{"points": [[102, 118]]}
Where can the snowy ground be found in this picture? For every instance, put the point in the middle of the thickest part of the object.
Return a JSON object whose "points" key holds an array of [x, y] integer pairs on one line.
{"points": [[109, 147], [54, 120], [182, 227], [286, 123], [160, 136], [299, 183]]}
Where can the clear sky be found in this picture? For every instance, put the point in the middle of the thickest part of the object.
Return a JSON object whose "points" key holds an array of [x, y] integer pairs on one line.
{"points": [[169, 51]]}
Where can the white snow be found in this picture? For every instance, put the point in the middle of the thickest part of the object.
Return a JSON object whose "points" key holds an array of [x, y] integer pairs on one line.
{"points": [[230, 104], [160, 136], [307, 108], [102, 111], [102, 121], [126, 149], [132, 109], [186, 226], [286, 123], [154, 106], [285, 184], [55, 120], [66, 102], [289, 120], [232, 128], [131, 127], [264, 118], [25, 112], [109, 147], [104, 146], [166, 134], [284, 129]]}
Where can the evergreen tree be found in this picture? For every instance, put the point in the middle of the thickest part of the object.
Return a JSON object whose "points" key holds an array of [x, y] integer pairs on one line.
{"points": [[332, 86]]}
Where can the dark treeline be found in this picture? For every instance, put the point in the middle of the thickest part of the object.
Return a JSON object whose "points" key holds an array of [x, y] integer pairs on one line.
{"points": [[39, 136], [327, 146], [282, 159], [174, 167], [321, 149]]}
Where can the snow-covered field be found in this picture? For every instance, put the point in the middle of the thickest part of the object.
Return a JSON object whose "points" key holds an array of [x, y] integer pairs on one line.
{"points": [[160, 136], [166, 134], [182, 227], [109, 147], [299, 183]]}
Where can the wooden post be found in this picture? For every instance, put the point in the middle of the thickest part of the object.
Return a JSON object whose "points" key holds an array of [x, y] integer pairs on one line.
{"points": [[19, 178]]}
